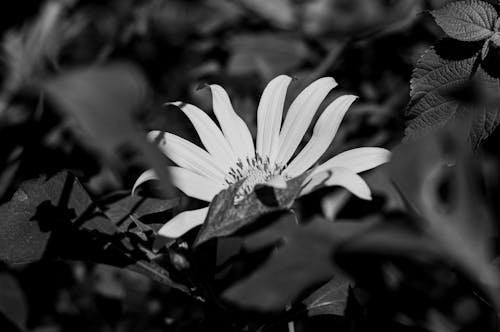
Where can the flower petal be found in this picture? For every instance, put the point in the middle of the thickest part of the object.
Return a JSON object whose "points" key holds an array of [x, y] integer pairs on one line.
{"points": [[210, 135], [188, 155], [193, 184], [144, 177], [357, 160], [299, 116], [183, 222], [324, 131], [339, 176], [269, 115], [234, 128]]}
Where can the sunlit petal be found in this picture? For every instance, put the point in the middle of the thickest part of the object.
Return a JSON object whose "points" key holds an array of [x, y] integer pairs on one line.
{"points": [[194, 185], [144, 177], [324, 131], [183, 223], [299, 116], [188, 155], [357, 160], [210, 135], [339, 176], [269, 115], [234, 128]]}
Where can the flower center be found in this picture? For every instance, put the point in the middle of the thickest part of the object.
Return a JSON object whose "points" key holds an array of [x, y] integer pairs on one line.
{"points": [[253, 171]]}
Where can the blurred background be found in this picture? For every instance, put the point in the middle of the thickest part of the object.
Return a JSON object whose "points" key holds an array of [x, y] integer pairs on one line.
{"points": [[153, 52]]}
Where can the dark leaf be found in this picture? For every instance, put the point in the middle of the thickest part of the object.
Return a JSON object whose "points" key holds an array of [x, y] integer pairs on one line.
{"points": [[13, 302], [304, 260], [469, 20], [29, 50], [55, 218], [36, 209], [330, 299], [225, 217]]}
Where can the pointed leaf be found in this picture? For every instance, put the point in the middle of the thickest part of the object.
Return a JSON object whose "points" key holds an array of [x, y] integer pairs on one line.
{"points": [[225, 217], [469, 20], [330, 299]]}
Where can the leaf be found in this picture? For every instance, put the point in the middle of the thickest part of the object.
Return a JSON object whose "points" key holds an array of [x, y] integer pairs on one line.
{"points": [[28, 50], [303, 261], [279, 12], [13, 301], [266, 54], [225, 217], [35, 210], [55, 218], [102, 100], [126, 211], [437, 87], [330, 299], [457, 223], [335, 18], [469, 20]]}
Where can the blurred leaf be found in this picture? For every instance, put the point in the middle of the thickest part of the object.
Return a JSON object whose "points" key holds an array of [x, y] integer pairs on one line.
{"points": [[102, 100], [279, 12], [433, 103], [440, 180], [29, 49], [179, 19], [107, 283], [330, 299], [13, 302], [304, 260], [55, 218], [225, 217], [272, 233], [469, 20], [344, 18], [266, 54]]}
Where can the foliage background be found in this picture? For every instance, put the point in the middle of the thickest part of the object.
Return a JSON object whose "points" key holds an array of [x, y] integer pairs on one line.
{"points": [[153, 51]]}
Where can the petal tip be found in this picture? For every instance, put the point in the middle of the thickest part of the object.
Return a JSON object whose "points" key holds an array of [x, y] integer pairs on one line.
{"points": [[183, 223]]}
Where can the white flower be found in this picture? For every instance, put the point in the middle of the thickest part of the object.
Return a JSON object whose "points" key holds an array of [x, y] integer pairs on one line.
{"points": [[230, 155]]}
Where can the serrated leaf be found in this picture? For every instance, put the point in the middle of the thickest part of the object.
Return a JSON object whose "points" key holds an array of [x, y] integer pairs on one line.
{"points": [[225, 217], [469, 20], [438, 86], [330, 299]]}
